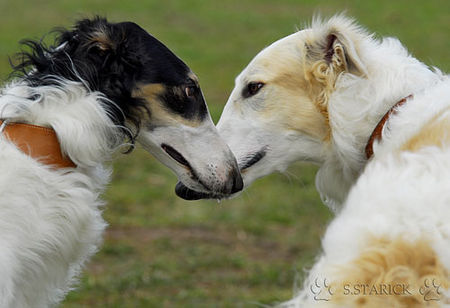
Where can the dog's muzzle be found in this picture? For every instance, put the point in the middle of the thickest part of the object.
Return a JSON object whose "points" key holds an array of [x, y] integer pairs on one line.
{"points": [[233, 185]]}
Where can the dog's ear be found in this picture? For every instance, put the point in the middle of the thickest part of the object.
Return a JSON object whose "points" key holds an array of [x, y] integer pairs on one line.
{"points": [[101, 40], [97, 34], [340, 52], [333, 50]]}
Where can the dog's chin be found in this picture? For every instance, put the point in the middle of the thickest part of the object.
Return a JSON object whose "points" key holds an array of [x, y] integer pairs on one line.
{"points": [[186, 193]]}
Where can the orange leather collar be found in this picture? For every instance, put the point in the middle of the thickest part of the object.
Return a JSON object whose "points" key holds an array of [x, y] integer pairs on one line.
{"points": [[38, 142], [376, 134]]}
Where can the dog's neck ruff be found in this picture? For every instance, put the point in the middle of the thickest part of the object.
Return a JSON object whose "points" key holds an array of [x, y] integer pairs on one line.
{"points": [[377, 132], [38, 142]]}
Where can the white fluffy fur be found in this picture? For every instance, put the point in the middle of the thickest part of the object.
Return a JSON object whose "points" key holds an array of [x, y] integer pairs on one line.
{"points": [[400, 194], [50, 220], [358, 103], [397, 195]]}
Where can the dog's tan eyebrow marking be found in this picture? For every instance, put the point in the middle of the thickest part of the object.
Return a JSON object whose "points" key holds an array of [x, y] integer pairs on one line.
{"points": [[163, 116], [151, 90], [159, 113]]}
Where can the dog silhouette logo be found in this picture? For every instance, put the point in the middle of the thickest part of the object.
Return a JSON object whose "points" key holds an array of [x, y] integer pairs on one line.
{"points": [[321, 290], [430, 290]]}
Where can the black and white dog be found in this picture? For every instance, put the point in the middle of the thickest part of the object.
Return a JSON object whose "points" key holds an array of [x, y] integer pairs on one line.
{"points": [[72, 106]]}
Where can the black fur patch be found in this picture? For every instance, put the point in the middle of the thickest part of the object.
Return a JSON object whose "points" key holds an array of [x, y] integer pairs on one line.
{"points": [[113, 58], [189, 107]]}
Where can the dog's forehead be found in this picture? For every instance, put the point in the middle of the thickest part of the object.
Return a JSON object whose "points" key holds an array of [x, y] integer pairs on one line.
{"points": [[134, 31], [160, 64], [278, 58]]}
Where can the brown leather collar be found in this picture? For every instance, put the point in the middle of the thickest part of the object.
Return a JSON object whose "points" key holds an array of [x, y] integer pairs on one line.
{"points": [[376, 134], [38, 142]]}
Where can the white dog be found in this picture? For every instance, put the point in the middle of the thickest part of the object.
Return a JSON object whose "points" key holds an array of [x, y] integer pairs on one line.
{"points": [[319, 95], [73, 106]]}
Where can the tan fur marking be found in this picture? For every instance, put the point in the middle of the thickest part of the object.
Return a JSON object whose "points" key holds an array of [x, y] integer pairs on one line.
{"points": [[289, 101], [393, 263], [160, 115], [102, 40], [294, 108], [319, 89], [290, 81], [322, 77], [435, 133], [149, 91]]}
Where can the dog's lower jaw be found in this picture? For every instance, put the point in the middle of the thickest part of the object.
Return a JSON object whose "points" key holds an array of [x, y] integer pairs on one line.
{"points": [[186, 193]]}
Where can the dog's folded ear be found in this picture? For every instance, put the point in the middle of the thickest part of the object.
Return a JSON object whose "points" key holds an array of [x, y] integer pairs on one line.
{"points": [[333, 49], [101, 40], [340, 52], [97, 34]]}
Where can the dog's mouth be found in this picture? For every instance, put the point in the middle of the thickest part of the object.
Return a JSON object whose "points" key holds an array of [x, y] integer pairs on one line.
{"points": [[253, 159], [186, 193], [176, 156], [182, 190], [183, 161]]}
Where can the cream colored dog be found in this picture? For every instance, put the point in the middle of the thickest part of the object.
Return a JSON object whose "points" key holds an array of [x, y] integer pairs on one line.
{"points": [[318, 95]]}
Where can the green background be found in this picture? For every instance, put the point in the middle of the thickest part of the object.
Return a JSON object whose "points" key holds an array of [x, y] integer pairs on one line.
{"points": [[161, 251]]}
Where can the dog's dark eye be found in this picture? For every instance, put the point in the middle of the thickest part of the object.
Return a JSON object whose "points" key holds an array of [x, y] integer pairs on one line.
{"points": [[253, 88], [190, 91]]}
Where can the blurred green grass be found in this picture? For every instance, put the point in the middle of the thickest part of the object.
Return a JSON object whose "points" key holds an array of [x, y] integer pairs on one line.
{"points": [[160, 251]]}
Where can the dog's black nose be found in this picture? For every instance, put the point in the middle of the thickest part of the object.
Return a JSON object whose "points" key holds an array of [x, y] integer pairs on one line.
{"points": [[236, 179]]}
